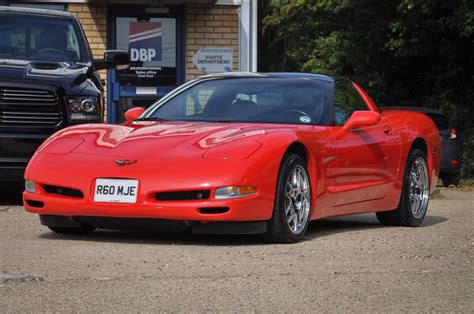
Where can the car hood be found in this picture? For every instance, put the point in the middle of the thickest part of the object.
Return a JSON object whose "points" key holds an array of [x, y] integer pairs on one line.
{"points": [[162, 140], [63, 74]]}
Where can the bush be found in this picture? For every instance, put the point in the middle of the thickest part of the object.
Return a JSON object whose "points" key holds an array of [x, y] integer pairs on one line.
{"points": [[403, 52]]}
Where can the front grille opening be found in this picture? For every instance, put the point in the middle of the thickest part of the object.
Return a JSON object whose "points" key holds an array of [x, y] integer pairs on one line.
{"points": [[37, 204], [52, 189], [213, 210], [26, 107], [183, 195]]}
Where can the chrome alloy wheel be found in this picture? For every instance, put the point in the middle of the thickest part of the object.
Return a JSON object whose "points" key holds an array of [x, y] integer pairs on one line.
{"points": [[419, 188], [297, 200]]}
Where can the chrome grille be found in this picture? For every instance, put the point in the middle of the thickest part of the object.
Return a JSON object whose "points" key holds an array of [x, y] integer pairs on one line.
{"points": [[29, 107]]}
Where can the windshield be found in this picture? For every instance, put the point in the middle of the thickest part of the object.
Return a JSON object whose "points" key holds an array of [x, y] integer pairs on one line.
{"points": [[264, 100], [37, 38]]}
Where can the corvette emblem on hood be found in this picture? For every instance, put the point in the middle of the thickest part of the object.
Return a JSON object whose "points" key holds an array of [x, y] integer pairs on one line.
{"points": [[122, 163]]}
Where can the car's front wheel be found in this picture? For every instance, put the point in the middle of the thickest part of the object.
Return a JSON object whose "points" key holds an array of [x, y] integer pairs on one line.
{"points": [[292, 202], [415, 194]]}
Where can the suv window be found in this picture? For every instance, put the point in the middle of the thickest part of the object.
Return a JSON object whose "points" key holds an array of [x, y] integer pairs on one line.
{"points": [[28, 37], [346, 101]]}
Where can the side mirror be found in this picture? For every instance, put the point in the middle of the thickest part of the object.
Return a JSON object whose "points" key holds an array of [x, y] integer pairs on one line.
{"points": [[119, 59], [361, 118], [133, 113]]}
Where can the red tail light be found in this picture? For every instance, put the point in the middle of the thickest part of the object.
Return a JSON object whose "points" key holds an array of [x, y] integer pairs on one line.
{"points": [[453, 134]]}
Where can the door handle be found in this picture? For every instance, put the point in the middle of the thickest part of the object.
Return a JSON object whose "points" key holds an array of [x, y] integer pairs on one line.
{"points": [[387, 130]]}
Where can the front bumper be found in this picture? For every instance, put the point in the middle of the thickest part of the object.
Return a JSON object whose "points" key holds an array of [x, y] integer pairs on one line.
{"points": [[16, 150], [76, 171], [252, 208], [12, 171]]}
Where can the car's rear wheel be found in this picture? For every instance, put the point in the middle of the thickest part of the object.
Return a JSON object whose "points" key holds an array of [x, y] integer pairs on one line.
{"points": [[415, 194], [451, 179], [292, 202]]}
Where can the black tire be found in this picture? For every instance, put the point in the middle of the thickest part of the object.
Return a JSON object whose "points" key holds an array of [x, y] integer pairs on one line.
{"points": [[403, 215], [278, 229], [84, 229], [451, 179]]}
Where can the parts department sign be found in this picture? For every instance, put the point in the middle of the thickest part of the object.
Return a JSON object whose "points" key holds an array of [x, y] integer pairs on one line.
{"points": [[212, 60], [145, 41]]}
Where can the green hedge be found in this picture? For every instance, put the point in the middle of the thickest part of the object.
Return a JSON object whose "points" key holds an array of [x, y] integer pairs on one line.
{"points": [[403, 52]]}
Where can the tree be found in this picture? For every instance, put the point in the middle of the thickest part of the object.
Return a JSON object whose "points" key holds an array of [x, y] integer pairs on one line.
{"points": [[404, 52]]}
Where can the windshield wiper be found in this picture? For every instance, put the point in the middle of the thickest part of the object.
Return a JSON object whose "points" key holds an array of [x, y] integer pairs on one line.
{"points": [[151, 119]]}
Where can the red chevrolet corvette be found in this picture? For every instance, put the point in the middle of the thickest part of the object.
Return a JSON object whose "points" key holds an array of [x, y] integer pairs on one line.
{"points": [[255, 153]]}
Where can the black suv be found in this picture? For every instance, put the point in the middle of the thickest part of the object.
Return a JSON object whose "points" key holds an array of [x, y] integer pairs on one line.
{"points": [[48, 81], [450, 168]]}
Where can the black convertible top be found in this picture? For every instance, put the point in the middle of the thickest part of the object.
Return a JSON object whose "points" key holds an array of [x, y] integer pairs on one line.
{"points": [[269, 75], [417, 109]]}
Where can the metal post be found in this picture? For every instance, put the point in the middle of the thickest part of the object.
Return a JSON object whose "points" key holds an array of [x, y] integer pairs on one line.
{"points": [[248, 36]]}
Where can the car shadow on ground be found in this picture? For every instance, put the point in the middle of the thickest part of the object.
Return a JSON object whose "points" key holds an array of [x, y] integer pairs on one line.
{"points": [[316, 229], [164, 238], [328, 227]]}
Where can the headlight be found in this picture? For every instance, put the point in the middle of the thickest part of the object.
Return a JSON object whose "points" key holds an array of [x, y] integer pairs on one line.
{"points": [[30, 186], [228, 192], [83, 109]]}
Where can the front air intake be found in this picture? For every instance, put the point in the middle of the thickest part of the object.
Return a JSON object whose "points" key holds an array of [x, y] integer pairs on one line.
{"points": [[52, 189], [183, 195], [213, 210], [37, 204]]}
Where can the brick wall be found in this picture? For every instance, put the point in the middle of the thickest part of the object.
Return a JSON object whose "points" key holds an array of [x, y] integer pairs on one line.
{"points": [[206, 26], [93, 18], [210, 26]]}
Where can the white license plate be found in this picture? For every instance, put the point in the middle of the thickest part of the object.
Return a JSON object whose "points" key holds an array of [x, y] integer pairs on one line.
{"points": [[116, 191]]}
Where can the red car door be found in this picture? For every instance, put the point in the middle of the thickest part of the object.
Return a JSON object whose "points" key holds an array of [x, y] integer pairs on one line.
{"points": [[367, 157]]}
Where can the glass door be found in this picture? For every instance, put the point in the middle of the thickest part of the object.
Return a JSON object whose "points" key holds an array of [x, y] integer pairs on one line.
{"points": [[155, 43]]}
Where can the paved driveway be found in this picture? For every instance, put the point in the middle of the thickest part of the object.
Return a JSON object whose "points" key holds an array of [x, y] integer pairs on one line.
{"points": [[345, 264]]}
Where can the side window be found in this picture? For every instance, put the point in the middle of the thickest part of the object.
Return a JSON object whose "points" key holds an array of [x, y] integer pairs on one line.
{"points": [[346, 101], [72, 43], [197, 101]]}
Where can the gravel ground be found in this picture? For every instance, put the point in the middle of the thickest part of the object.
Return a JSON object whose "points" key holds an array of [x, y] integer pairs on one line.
{"points": [[349, 264]]}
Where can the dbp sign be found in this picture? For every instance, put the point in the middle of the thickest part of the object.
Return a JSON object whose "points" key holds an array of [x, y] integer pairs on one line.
{"points": [[142, 54], [145, 41]]}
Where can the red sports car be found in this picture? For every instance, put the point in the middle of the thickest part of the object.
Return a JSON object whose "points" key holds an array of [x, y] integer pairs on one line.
{"points": [[255, 153]]}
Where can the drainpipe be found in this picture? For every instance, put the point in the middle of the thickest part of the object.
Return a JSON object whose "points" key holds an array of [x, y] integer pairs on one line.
{"points": [[254, 35], [248, 36]]}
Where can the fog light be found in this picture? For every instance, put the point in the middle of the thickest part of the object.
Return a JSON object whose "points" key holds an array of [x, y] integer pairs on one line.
{"points": [[228, 192], [30, 186]]}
